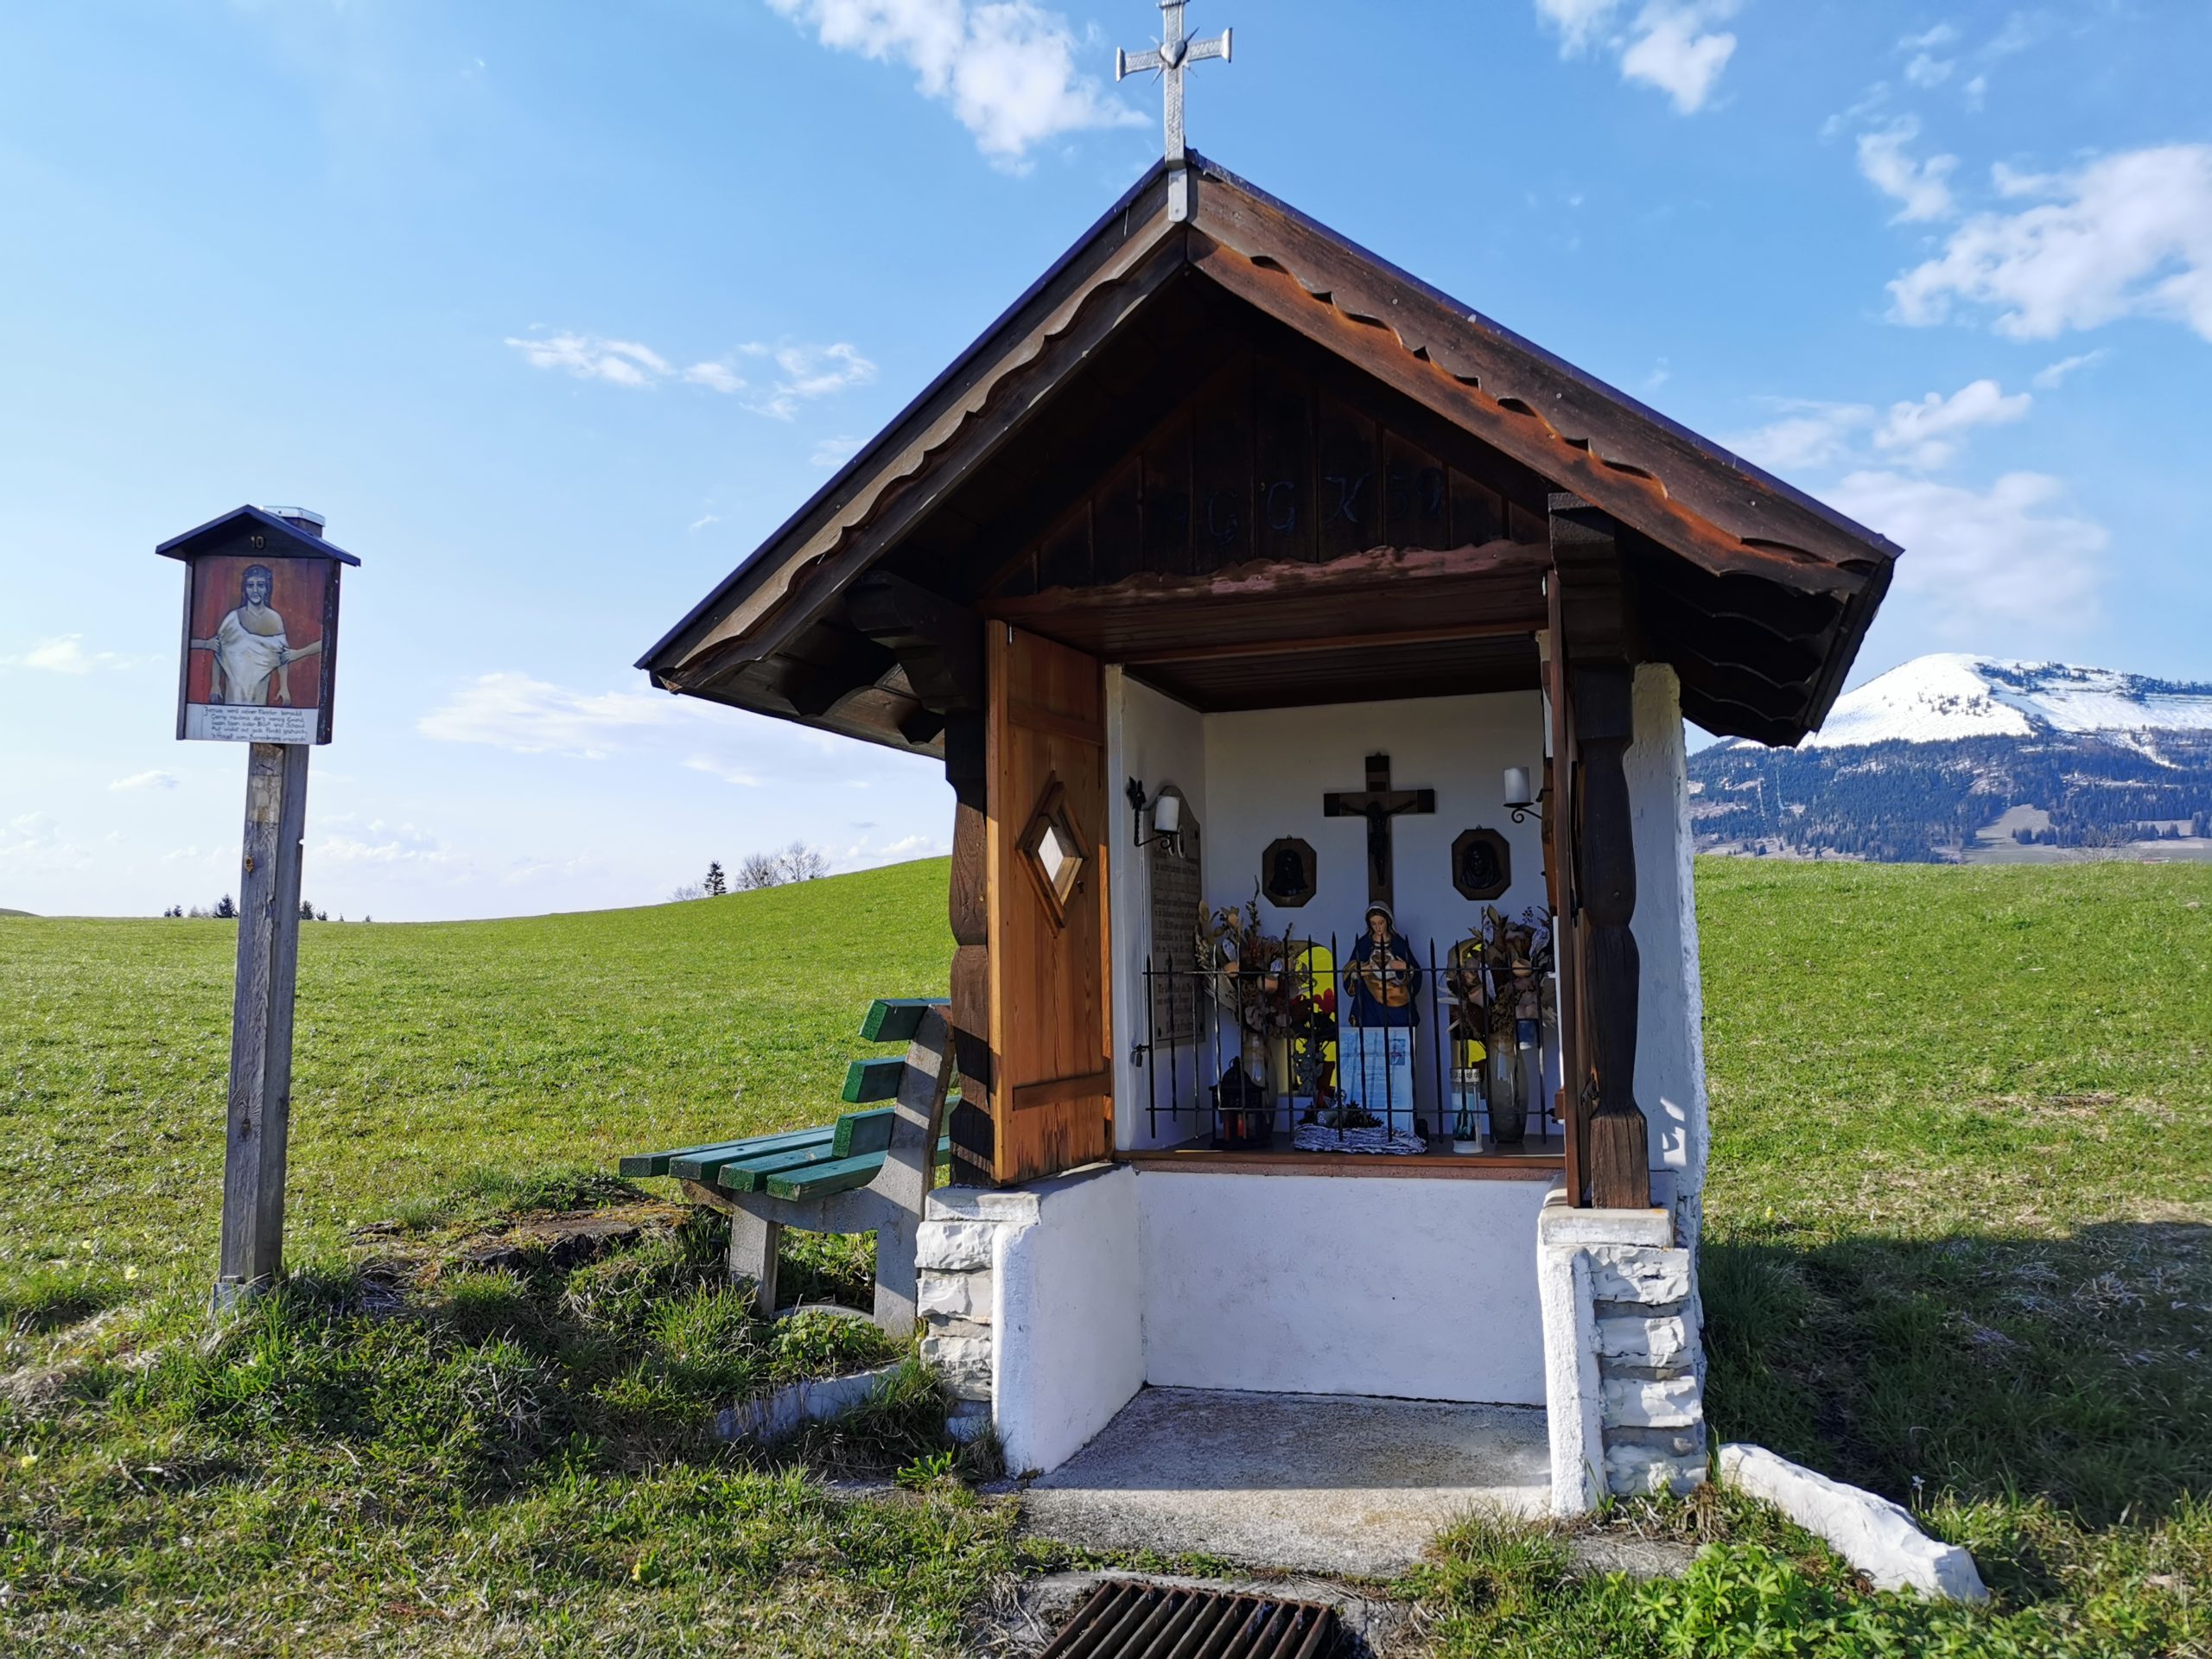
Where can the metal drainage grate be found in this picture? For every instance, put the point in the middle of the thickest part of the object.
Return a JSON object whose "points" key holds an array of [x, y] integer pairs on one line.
{"points": [[1123, 1620]]}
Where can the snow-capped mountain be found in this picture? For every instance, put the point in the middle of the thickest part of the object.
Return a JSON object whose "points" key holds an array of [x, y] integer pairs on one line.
{"points": [[1951, 757], [1936, 699]]}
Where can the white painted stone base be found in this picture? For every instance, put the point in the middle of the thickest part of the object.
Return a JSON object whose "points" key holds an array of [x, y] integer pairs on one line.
{"points": [[1030, 1306], [1624, 1362], [1875, 1535]]}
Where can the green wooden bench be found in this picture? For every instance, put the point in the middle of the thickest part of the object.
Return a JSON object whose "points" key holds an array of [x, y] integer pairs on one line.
{"points": [[868, 1172]]}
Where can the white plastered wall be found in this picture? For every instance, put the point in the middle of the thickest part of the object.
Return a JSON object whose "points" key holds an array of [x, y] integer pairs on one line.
{"points": [[1415, 1289], [1267, 770]]}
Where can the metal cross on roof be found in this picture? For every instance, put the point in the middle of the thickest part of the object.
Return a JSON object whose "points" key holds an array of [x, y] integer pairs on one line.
{"points": [[1175, 53]]}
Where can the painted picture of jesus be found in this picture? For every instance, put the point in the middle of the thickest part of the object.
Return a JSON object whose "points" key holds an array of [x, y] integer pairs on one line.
{"points": [[253, 642], [252, 655]]}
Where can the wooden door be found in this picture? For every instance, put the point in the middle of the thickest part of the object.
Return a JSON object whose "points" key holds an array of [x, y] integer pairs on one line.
{"points": [[1052, 1088]]}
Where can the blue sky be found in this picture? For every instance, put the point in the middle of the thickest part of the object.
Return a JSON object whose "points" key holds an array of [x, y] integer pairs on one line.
{"points": [[556, 310]]}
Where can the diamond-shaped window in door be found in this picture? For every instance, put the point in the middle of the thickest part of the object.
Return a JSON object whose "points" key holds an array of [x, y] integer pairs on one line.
{"points": [[1054, 850]]}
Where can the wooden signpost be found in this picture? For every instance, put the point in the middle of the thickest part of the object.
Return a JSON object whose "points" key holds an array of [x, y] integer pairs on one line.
{"points": [[259, 664]]}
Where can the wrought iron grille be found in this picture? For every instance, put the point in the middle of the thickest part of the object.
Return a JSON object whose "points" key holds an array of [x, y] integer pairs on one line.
{"points": [[1247, 1056]]}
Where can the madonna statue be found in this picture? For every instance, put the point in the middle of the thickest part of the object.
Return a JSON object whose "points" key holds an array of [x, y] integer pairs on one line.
{"points": [[1382, 990]]}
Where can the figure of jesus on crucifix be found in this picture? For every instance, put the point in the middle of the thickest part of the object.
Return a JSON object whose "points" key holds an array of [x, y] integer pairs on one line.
{"points": [[1378, 803]]}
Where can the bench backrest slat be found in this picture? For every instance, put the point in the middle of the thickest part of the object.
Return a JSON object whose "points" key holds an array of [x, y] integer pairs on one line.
{"points": [[896, 1019], [866, 1080]]}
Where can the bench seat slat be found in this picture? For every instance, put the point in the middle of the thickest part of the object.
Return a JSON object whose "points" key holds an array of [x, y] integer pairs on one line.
{"points": [[815, 1143], [656, 1163], [751, 1174], [797, 1176], [820, 1180]]}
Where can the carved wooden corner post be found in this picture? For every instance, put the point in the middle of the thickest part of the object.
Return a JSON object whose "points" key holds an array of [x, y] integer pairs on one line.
{"points": [[971, 1121], [939, 644], [1598, 657]]}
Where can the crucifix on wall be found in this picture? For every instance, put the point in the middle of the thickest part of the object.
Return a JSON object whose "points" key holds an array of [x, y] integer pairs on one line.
{"points": [[1378, 803]]}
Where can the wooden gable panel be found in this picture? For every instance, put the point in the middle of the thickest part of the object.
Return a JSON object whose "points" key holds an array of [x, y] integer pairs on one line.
{"points": [[1268, 461]]}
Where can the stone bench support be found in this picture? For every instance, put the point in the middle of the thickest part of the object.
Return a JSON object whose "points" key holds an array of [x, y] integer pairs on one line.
{"points": [[1623, 1365]]}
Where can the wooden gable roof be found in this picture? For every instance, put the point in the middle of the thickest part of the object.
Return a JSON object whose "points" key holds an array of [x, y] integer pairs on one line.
{"points": [[1065, 470]]}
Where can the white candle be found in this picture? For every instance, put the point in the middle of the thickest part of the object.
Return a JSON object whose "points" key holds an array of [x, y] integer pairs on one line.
{"points": [[1166, 814], [1516, 786]]}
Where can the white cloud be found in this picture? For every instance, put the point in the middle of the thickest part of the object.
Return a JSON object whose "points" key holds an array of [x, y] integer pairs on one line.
{"points": [[1973, 555], [1677, 54], [1807, 435], [1007, 66], [405, 845], [621, 362], [703, 520], [716, 377], [33, 841], [1670, 44], [154, 779], [2128, 236], [65, 654], [2049, 379], [2022, 30], [1976, 92], [1920, 188], [1929, 431], [804, 372], [1870, 101], [810, 372], [1923, 67], [833, 452], [723, 769], [512, 711], [1581, 24]]}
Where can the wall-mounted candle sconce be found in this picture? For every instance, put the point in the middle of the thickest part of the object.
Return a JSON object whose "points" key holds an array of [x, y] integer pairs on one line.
{"points": [[1166, 816], [1518, 800]]}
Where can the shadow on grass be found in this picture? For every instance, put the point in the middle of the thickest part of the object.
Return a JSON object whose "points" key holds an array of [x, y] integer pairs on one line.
{"points": [[2073, 1368], [51, 1299]]}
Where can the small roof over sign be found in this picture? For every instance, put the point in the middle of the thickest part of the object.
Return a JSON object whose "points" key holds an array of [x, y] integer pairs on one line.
{"points": [[220, 535]]}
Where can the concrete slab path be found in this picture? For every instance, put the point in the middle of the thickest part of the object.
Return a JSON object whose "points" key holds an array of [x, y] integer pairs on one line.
{"points": [[1333, 1483]]}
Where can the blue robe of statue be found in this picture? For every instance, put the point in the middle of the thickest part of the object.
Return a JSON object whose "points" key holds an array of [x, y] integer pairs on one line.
{"points": [[1365, 1010]]}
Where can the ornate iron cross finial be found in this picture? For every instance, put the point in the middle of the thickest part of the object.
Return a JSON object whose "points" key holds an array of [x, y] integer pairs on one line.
{"points": [[1175, 53]]}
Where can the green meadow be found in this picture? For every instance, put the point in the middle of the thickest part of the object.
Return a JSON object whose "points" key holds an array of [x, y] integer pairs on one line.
{"points": [[1956, 1250]]}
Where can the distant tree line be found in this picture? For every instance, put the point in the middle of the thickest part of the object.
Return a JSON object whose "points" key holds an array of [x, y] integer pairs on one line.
{"points": [[1900, 802], [225, 909], [797, 862]]}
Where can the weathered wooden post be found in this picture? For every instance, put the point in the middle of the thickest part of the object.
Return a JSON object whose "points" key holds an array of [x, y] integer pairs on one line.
{"points": [[260, 598]]}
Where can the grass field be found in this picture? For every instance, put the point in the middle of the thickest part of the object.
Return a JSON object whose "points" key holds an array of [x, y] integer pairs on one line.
{"points": [[1956, 1250]]}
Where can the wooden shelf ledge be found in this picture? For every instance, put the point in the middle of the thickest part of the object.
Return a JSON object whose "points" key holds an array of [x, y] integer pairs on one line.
{"points": [[1426, 1166]]}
